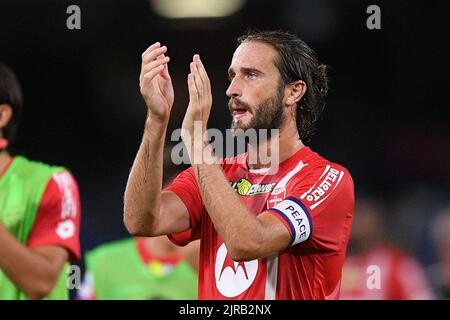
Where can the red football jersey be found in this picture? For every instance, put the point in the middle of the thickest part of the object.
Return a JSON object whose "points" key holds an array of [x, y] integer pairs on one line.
{"points": [[58, 218], [314, 199]]}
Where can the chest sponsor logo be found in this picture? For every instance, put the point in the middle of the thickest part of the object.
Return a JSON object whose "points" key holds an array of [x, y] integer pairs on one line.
{"points": [[233, 278], [245, 188]]}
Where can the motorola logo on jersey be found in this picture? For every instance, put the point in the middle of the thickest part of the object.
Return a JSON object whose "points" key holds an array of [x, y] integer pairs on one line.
{"points": [[233, 278]]}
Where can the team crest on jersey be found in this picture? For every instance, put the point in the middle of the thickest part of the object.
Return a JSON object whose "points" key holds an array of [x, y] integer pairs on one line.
{"points": [[233, 278], [278, 194], [274, 200], [245, 188]]}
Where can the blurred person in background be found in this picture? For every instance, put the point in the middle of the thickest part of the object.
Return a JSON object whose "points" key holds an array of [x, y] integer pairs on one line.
{"points": [[440, 272], [142, 268], [39, 213], [400, 276]]}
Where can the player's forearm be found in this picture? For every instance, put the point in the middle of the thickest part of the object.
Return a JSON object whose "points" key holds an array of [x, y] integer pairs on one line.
{"points": [[241, 231], [142, 201], [31, 272]]}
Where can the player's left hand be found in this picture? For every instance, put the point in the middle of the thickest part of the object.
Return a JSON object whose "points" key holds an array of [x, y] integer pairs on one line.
{"points": [[200, 100]]}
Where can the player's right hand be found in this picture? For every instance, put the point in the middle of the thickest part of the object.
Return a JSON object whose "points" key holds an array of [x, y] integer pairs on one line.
{"points": [[155, 82]]}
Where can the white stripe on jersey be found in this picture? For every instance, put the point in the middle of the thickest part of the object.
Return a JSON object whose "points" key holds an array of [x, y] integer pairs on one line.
{"points": [[271, 277], [281, 185]]}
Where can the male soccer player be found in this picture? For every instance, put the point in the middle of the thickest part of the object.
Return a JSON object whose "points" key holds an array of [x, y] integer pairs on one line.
{"points": [[276, 231], [39, 213]]}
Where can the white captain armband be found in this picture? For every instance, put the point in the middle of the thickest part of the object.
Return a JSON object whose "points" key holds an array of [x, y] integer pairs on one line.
{"points": [[297, 217]]}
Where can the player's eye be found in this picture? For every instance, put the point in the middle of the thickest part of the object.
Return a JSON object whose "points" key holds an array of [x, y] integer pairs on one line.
{"points": [[231, 76], [252, 75]]}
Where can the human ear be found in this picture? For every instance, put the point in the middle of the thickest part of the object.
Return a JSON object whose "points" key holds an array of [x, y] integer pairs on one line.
{"points": [[5, 115], [295, 91]]}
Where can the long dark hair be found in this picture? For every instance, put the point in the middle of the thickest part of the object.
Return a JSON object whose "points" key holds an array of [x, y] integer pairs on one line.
{"points": [[297, 61]]}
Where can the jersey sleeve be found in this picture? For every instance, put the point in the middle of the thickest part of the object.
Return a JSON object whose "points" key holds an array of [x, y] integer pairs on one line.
{"points": [[58, 218], [318, 209], [186, 188]]}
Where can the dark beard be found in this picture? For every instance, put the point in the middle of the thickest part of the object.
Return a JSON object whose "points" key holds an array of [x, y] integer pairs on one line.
{"points": [[268, 115]]}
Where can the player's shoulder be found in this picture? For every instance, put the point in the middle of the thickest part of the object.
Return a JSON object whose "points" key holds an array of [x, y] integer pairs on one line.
{"points": [[31, 163], [61, 187], [37, 169], [64, 180], [38, 174], [185, 175], [61, 191], [316, 166], [321, 180]]}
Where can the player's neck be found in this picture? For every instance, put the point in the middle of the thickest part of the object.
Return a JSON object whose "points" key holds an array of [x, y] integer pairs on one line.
{"points": [[288, 144], [5, 160]]}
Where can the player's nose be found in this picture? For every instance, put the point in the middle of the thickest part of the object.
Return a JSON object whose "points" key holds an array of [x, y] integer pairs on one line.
{"points": [[234, 89]]}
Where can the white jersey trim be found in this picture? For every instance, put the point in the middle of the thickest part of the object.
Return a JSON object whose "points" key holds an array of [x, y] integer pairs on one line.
{"points": [[271, 277], [281, 185]]}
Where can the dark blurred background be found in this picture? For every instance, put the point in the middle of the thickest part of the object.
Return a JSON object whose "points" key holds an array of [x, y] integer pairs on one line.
{"points": [[386, 120]]}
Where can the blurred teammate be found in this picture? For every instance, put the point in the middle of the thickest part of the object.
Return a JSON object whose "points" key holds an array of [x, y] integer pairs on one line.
{"points": [[400, 276], [142, 268], [277, 231], [39, 213], [441, 271]]}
